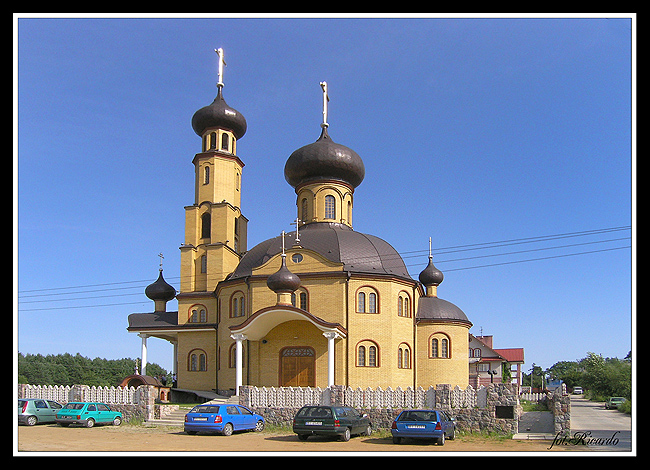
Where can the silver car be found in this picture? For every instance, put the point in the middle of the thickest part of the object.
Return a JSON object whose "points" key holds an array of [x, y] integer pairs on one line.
{"points": [[37, 410]]}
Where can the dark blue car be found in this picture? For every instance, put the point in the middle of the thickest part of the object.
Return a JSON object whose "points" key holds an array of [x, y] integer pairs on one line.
{"points": [[222, 418], [423, 424]]}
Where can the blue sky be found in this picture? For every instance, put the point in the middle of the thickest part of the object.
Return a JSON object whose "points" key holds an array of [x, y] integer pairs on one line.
{"points": [[472, 131]]}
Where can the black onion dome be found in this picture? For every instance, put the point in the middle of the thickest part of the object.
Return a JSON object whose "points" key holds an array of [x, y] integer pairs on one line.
{"points": [[431, 276], [283, 280], [219, 114], [160, 290], [324, 160]]}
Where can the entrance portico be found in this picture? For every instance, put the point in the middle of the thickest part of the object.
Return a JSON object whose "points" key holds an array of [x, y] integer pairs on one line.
{"points": [[295, 364]]}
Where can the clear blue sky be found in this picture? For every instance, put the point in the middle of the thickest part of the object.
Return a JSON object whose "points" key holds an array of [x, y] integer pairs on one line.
{"points": [[471, 130]]}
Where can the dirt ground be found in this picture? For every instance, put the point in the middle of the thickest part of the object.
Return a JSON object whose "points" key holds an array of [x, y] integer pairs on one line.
{"points": [[126, 438]]}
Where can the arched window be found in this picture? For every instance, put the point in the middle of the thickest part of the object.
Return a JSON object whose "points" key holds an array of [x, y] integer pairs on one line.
{"points": [[361, 304], [367, 300], [367, 354], [440, 346], [299, 299], [205, 225], [197, 361], [225, 141], [213, 140], [206, 174], [232, 356], [403, 356], [204, 264], [330, 207], [304, 214], [403, 305], [237, 305], [198, 314]]}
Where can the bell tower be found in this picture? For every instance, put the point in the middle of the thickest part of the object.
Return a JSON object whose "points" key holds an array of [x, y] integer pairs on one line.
{"points": [[215, 228]]}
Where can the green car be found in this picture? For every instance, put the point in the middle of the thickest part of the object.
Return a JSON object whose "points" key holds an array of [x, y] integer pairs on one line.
{"points": [[88, 414], [613, 402], [341, 421]]}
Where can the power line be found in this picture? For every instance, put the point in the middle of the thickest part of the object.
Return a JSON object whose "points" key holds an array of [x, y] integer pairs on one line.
{"points": [[448, 250]]}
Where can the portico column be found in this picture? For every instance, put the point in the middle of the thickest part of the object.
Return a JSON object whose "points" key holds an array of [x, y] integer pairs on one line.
{"points": [[331, 336], [143, 368], [238, 361]]}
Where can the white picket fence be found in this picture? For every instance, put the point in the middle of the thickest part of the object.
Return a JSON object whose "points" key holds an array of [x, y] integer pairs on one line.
{"points": [[63, 393], [295, 397]]}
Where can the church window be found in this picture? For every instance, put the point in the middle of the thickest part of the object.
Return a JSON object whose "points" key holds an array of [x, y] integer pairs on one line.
{"points": [[304, 215], [367, 354], [403, 305], [225, 141], [204, 264], [213, 140], [197, 361], [205, 225], [362, 302], [237, 305], [232, 356], [236, 181], [206, 175], [198, 314], [367, 300], [439, 346], [299, 299], [330, 207], [404, 356]]}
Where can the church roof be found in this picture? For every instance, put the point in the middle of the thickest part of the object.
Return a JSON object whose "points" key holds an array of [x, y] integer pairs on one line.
{"points": [[359, 252], [436, 309]]}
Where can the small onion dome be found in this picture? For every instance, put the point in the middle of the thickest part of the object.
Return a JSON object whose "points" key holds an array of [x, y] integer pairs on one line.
{"points": [[219, 114], [160, 290], [324, 160], [283, 281], [431, 276]]}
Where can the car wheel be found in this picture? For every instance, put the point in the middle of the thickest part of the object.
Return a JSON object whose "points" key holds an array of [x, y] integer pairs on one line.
{"points": [[227, 429], [441, 440], [90, 423], [303, 437], [346, 435], [117, 421], [191, 433], [452, 436], [368, 430], [32, 420], [397, 440], [259, 426]]}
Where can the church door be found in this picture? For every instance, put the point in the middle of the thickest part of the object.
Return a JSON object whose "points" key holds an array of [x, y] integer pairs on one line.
{"points": [[297, 367]]}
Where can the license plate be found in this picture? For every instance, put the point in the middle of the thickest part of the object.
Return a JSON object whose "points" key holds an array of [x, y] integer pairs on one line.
{"points": [[314, 423], [416, 426], [200, 419]]}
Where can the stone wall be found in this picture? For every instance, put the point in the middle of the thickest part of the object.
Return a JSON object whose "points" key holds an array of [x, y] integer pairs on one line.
{"points": [[502, 400]]}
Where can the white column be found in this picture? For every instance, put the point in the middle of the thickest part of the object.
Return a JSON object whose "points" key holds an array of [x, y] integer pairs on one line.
{"points": [[175, 358], [331, 336], [238, 361], [143, 367]]}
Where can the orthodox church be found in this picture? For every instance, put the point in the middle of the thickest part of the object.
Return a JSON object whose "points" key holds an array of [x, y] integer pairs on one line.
{"points": [[319, 306]]}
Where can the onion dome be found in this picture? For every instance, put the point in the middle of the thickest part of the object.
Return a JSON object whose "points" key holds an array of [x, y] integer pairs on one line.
{"points": [[431, 276], [324, 160], [219, 114], [283, 281], [160, 290]]}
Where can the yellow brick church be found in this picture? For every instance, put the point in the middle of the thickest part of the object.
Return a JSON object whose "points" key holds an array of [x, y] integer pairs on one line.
{"points": [[319, 306]]}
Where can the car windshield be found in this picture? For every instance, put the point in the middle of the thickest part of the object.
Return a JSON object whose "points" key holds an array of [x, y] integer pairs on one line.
{"points": [[420, 415], [315, 412], [73, 406], [205, 409]]}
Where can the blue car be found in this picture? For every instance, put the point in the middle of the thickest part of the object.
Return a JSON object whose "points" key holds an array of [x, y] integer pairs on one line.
{"points": [[222, 418], [423, 424]]}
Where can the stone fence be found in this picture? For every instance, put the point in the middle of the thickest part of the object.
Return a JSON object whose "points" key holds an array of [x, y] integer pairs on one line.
{"points": [[134, 403], [489, 408]]}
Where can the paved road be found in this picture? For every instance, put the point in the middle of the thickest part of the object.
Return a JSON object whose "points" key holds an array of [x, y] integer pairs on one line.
{"points": [[600, 429]]}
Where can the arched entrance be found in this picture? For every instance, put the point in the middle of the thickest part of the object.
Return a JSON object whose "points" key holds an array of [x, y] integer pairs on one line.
{"points": [[297, 367]]}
